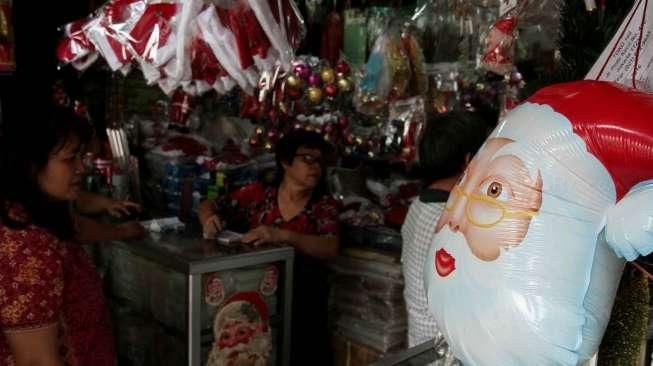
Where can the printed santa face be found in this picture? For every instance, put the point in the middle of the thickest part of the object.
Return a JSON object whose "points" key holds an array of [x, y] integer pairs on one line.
{"points": [[519, 271], [492, 205], [241, 332]]}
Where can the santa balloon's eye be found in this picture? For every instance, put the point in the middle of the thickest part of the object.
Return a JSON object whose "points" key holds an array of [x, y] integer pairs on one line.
{"points": [[494, 190]]}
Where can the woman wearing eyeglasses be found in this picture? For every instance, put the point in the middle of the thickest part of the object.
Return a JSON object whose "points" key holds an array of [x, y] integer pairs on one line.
{"points": [[295, 210]]}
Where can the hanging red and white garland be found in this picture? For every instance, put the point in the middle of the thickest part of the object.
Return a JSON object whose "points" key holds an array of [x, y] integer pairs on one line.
{"points": [[192, 44]]}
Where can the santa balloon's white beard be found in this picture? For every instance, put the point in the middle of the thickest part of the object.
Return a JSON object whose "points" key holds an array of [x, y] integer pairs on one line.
{"points": [[482, 319]]}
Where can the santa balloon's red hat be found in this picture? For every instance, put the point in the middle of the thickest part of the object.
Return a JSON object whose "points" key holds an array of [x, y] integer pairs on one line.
{"points": [[615, 122]]}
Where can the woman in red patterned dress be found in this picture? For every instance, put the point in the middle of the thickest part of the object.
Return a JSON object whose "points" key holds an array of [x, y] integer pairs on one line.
{"points": [[52, 310], [298, 211]]}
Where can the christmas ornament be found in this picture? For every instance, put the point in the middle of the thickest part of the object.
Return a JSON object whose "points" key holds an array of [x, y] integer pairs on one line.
{"points": [[343, 121], [314, 80], [315, 95], [302, 70], [294, 81], [328, 75], [331, 90], [344, 85], [342, 68]]}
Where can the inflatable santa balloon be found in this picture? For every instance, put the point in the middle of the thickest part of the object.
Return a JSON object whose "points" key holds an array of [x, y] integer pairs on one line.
{"points": [[529, 251]]}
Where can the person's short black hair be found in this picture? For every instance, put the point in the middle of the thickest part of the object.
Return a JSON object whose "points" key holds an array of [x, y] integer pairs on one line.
{"points": [[287, 147], [29, 138], [445, 142]]}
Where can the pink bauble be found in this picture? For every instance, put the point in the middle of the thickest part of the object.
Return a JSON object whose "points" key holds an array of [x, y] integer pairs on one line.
{"points": [[302, 70], [314, 80]]}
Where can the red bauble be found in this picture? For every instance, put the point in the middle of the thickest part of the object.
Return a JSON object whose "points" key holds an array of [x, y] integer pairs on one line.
{"points": [[342, 67], [293, 93], [343, 121], [331, 90]]}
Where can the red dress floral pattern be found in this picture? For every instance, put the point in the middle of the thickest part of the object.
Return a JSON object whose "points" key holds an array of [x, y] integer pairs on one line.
{"points": [[256, 204], [45, 281]]}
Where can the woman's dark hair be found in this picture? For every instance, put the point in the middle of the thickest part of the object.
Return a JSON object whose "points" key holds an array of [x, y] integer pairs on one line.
{"points": [[286, 150], [446, 141], [30, 137]]}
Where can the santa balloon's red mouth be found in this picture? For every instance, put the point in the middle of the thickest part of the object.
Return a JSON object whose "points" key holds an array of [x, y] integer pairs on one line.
{"points": [[445, 263]]}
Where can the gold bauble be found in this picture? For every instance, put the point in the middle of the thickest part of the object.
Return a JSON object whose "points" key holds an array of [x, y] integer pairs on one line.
{"points": [[294, 81], [328, 75], [259, 130], [344, 84], [315, 94]]}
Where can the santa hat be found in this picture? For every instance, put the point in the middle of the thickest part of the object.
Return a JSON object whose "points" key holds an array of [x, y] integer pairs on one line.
{"points": [[256, 300], [615, 122]]}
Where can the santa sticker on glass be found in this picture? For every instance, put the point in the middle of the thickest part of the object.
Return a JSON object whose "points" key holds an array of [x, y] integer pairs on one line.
{"points": [[530, 248], [214, 292], [270, 281], [241, 332]]}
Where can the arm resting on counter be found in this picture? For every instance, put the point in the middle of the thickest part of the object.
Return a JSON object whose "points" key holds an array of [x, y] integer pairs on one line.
{"points": [[91, 203], [318, 246], [90, 231]]}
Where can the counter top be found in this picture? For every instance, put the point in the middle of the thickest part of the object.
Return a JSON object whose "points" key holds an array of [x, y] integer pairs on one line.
{"points": [[189, 253]]}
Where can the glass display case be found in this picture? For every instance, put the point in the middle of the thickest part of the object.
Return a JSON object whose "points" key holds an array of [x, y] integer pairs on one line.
{"points": [[165, 291]]}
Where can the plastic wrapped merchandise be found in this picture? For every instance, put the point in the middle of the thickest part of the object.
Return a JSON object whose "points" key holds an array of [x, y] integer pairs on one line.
{"points": [[382, 338], [530, 249]]}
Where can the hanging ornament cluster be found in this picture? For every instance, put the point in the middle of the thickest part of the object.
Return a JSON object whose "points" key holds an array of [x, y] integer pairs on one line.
{"points": [[316, 81], [499, 42], [191, 44], [312, 86], [265, 138], [362, 142]]}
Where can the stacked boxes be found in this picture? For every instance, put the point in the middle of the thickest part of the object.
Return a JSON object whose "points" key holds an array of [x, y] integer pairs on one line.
{"points": [[368, 307]]}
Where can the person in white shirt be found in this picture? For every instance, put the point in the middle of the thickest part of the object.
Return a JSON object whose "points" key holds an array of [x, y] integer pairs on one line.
{"points": [[447, 144]]}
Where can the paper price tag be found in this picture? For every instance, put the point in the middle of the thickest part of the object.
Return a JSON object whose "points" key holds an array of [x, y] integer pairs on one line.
{"points": [[628, 58]]}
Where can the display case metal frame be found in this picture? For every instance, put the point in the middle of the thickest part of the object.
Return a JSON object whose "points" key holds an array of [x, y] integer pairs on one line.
{"points": [[194, 257]]}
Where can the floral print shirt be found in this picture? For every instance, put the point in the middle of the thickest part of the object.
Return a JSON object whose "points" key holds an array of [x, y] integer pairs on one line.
{"points": [[48, 282], [256, 204]]}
